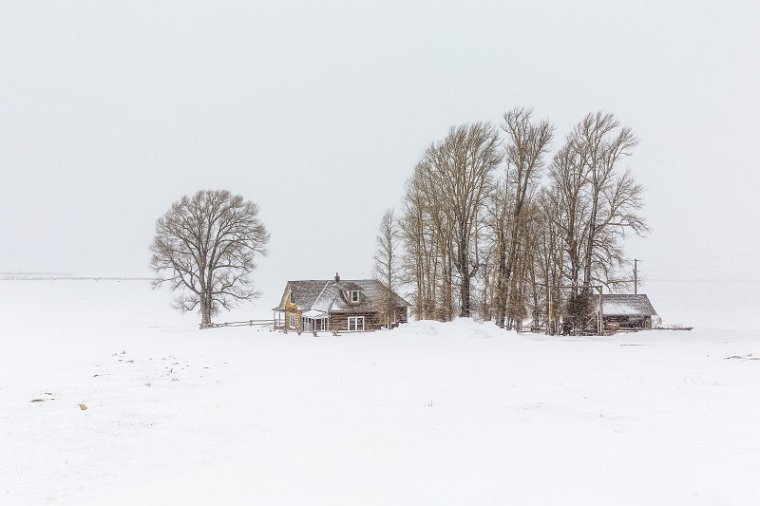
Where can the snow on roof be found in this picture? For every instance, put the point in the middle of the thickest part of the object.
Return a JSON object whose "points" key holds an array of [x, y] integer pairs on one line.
{"points": [[324, 300], [626, 304], [303, 293]]}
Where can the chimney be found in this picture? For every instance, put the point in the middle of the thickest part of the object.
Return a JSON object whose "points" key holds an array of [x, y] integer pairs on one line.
{"points": [[337, 277]]}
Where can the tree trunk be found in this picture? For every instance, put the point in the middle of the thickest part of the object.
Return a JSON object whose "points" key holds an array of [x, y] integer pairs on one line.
{"points": [[501, 276], [464, 271], [464, 293], [205, 314]]}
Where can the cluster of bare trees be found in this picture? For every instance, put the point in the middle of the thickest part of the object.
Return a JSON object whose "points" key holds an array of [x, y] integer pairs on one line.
{"points": [[494, 227]]}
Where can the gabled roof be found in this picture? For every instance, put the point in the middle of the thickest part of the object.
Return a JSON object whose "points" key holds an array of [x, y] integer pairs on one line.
{"points": [[625, 304], [303, 293], [331, 296]]}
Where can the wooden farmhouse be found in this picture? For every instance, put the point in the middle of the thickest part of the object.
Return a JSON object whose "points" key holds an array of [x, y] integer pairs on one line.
{"points": [[337, 306], [626, 311]]}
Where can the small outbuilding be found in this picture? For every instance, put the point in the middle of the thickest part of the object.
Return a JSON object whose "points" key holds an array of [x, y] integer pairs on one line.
{"points": [[626, 311]]}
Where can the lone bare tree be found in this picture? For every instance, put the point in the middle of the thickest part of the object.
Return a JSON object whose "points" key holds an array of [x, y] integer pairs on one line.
{"points": [[205, 248], [387, 262]]}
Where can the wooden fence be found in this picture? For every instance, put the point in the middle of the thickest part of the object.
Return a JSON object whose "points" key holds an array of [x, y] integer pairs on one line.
{"points": [[272, 324]]}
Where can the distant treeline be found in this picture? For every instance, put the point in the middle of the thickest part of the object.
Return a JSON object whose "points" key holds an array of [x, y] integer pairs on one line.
{"points": [[32, 276]]}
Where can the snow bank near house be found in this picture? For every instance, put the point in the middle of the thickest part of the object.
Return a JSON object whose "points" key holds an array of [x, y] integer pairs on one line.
{"points": [[430, 413]]}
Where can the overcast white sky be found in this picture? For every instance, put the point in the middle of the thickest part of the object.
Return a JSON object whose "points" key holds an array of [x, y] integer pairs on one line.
{"points": [[317, 111]]}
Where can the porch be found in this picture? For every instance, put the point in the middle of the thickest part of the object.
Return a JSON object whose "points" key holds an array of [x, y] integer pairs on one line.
{"points": [[315, 321]]}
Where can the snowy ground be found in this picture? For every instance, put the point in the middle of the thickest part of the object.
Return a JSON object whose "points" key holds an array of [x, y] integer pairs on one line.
{"points": [[428, 414]]}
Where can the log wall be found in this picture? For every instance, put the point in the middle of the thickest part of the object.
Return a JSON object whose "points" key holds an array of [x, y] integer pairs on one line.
{"points": [[339, 321]]}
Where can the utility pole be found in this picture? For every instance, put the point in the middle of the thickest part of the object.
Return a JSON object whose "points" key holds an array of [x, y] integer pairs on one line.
{"points": [[636, 275], [550, 316], [600, 327]]}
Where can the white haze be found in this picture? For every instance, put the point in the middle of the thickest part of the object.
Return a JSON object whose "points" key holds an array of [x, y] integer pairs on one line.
{"points": [[317, 111]]}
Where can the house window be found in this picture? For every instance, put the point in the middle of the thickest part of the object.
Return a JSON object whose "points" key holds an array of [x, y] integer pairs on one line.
{"points": [[292, 299], [292, 321], [355, 323], [354, 295]]}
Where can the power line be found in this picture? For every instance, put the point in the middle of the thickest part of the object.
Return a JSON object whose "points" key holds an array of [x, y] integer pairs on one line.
{"points": [[701, 268], [737, 255], [702, 280]]}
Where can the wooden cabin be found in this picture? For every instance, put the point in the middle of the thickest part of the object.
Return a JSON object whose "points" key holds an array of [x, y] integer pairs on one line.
{"points": [[625, 311], [338, 306]]}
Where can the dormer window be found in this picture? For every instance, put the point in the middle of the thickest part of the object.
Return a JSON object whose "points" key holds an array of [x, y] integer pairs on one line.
{"points": [[354, 296]]}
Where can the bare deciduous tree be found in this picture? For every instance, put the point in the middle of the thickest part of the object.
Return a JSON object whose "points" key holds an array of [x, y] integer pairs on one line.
{"points": [[550, 256], [527, 143], [462, 168], [205, 248], [386, 262], [598, 201], [570, 213], [613, 197], [421, 259], [444, 204]]}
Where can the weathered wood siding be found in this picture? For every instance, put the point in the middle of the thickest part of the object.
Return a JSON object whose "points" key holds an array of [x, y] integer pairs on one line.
{"points": [[285, 299], [339, 321], [373, 320], [298, 323], [628, 322], [401, 315]]}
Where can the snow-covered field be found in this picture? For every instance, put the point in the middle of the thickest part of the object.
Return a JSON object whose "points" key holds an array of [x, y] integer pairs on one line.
{"points": [[428, 414]]}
